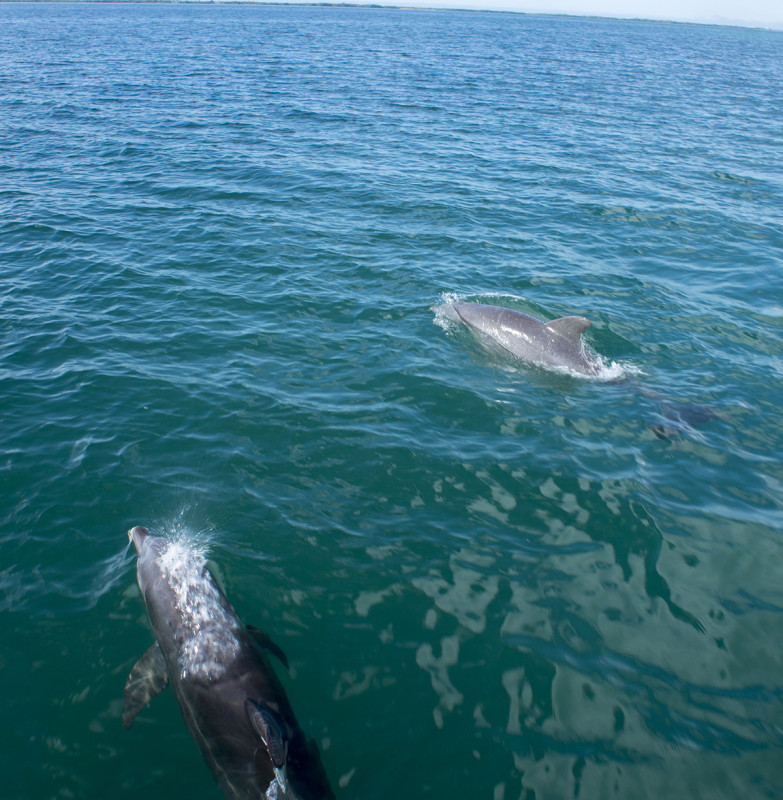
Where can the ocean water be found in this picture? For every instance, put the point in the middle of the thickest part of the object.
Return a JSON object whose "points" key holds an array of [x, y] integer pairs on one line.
{"points": [[228, 243]]}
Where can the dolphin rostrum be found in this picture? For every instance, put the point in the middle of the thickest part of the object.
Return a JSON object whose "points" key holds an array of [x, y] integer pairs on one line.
{"points": [[231, 699], [557, 344]]}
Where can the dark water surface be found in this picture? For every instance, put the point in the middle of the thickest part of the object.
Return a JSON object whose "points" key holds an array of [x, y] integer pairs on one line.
{"points": [[228, 235]]}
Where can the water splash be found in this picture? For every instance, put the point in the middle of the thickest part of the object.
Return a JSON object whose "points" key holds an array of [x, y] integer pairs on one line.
{"points": [[208, 626], [187, 527]]}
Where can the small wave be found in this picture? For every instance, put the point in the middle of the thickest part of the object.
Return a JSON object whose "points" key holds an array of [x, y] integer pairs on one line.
{"points": [[608, 371], [612, 371], [445, 316]]}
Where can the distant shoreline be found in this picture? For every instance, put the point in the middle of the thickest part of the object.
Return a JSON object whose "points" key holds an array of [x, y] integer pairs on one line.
{"points": [[749, 25]]}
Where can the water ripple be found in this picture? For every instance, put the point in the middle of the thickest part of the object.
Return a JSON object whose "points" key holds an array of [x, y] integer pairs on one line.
{"points": [[225, 234]]}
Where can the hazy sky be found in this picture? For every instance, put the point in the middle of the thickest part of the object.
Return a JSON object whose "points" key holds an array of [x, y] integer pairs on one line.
{"points": [[764, 13]]}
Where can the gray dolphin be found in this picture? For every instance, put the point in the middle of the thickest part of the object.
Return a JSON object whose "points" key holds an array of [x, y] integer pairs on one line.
{"points": [[555, 344], [231, 699]]}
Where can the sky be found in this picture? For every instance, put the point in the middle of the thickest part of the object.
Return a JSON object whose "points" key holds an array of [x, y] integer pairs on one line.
{"points": [[759, 13]]}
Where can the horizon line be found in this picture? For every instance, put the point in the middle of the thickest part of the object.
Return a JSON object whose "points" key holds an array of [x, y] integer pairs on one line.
{"points": [[716, 22]]}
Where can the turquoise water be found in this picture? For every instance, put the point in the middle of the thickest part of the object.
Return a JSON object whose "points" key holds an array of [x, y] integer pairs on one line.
{"points": [[228, 241]]}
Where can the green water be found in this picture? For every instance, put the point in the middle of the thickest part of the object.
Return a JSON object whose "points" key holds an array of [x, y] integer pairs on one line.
{"points": [[228, 241]]}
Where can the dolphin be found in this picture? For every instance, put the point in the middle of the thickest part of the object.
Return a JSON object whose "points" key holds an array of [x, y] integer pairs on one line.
{"points": [[230, 696], [557, 344], [678, 420]]}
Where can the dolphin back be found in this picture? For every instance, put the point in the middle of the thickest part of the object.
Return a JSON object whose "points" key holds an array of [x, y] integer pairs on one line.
{"points": [[556, 344]]}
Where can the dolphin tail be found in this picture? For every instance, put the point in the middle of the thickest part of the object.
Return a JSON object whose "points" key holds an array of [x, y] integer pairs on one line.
{"points": [[147, 679]]}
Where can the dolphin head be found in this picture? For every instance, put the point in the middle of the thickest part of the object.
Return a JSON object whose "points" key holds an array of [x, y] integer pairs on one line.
{"points": [[137, 535]]}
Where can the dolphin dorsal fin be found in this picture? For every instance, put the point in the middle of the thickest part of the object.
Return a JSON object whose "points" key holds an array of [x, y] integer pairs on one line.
{"points": [[569, 327], [147, 679], [269, 729], [266, 725]]}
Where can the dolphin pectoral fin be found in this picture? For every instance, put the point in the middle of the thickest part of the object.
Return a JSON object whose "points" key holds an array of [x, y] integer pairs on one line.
{"points": [[147, 679], [263, 641], [569, 327], [267, 726]]}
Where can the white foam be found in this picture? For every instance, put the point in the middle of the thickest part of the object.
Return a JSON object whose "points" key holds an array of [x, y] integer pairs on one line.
{"points": [[445, 316], [209, 629], [612, 371], [607, 372]]}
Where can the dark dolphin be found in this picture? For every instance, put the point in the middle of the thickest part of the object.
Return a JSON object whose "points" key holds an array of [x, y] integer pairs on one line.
{"points": [[557, 344], [678, 420], [231, 699]]}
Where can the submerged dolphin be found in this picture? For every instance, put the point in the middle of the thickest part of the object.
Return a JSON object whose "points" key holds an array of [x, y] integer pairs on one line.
{"points": [[231, 699], [555, 344]]}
